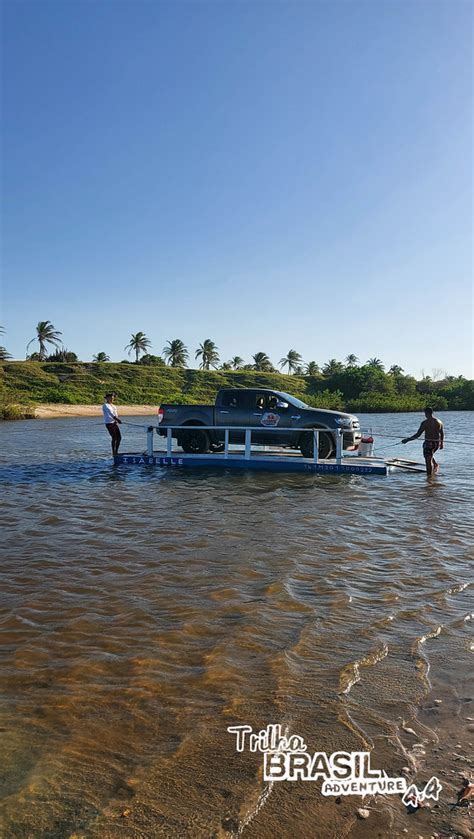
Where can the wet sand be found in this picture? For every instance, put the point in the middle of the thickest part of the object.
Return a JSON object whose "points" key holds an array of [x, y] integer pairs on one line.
{"points": [[55, 411]]}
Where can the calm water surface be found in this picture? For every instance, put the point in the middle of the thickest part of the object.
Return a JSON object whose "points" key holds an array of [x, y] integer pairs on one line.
{"points": [[144, 611]]}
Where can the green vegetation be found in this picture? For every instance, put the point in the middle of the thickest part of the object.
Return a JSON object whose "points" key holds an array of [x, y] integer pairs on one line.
{"points": [[13, 404], [357, 389], [14, 411]]}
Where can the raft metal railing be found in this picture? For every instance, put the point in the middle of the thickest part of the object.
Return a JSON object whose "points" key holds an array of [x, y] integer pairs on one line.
{"points": [[336, 432]]}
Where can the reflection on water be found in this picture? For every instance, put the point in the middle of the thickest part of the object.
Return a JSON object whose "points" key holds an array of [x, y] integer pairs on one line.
{"points": [[144, 611]]}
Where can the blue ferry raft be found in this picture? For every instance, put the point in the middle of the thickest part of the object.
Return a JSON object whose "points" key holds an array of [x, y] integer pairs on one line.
{"points": [[248, 458]]}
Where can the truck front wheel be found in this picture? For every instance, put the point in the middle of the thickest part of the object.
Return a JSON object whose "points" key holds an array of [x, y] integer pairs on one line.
{"points": [[195, 442], [325, 449]]}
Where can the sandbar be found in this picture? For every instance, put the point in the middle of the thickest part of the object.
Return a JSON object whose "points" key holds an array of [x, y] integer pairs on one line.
{"points": [[56, 411]]}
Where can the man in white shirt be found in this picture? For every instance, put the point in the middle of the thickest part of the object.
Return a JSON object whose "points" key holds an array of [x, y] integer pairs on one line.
{"points": [[112, 421]]}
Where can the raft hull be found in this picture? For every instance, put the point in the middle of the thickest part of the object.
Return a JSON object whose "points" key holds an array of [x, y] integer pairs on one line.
{"points": [[256, 463]]}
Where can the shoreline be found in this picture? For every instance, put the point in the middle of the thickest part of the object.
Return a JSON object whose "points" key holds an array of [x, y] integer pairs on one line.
{"points": [[55, 410], [58, 411]]}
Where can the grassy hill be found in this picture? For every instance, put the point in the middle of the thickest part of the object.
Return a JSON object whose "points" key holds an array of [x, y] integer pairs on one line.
{"points": [[26, 383]]}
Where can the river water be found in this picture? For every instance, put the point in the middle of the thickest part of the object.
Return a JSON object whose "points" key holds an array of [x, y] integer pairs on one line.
{"points": [[144, 611]]}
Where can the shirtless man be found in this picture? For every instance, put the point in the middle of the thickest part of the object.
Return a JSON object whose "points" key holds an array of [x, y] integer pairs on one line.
{"points": [[434, 439]]}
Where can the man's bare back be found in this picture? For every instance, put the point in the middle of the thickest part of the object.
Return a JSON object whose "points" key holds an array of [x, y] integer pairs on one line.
{"points": [[433, 430]]}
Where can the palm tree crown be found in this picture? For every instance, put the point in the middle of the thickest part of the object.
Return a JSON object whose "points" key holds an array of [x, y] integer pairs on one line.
{"points": [[291, 360], [176, 353], [208, 353], [138, 343], [312, 369], [351, 360], [101, 356], [395, 370], [4, 354], [45, 334], [376, 363], [236, 362], [332, 367], [262, 362]]}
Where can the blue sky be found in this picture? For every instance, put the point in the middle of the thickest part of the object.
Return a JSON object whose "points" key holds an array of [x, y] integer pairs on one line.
{"points": [[270, 175]]}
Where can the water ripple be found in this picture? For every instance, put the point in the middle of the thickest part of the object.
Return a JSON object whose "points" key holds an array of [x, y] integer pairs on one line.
{"points": [[144, 611]]}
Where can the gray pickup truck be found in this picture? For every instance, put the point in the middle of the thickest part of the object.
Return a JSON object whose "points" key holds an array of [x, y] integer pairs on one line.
{"points": [[277, 418]]}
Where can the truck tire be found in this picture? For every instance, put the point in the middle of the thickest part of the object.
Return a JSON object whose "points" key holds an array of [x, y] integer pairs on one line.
{"points": [[326, 445], [194, 442]]}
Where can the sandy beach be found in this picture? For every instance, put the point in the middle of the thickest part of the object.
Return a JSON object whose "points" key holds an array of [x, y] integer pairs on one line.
{"points": [[55, 411]]}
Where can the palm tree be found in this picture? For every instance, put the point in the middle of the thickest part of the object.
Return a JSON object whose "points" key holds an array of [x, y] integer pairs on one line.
{"points": [[138, 343], [376, 364], [332, 367], [351, 360], [101, 356], [4, 355], [176, 353], [291, 360], [208, 354], [395, 370], [262, 362], [45, 334], [312, 369], [236, 362]]}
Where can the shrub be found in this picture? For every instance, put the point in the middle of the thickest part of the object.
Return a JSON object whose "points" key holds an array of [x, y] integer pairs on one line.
{"points": [[63, 355], [333, 400], [17, 412], [151, 359]]}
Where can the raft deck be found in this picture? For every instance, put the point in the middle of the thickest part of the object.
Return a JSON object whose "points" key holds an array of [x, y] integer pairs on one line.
{"points": [[269, 460]]}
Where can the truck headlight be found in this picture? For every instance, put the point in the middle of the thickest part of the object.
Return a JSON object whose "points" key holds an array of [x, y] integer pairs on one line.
{"points": [[344, 423]]}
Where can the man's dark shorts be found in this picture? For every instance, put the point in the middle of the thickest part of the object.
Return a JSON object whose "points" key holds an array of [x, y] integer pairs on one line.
{"points": [[430, 447]]}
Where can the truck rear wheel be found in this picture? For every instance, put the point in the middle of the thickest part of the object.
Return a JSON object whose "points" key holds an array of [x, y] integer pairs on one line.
{"points": [[195, 442], [325, 449]]}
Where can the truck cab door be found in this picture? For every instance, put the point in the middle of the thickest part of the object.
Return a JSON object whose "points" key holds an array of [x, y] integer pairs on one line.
{"points": [[232, 409], [268, 412]]}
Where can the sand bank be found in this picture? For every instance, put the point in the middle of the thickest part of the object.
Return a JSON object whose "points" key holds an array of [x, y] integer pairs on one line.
{"points": [[55, 411]]}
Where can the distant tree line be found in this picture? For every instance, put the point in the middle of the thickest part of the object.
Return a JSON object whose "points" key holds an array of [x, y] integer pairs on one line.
{"points": [[361, 385]]}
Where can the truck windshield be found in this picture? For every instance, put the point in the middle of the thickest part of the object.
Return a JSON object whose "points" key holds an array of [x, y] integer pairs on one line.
{"points": [[292, 400]]}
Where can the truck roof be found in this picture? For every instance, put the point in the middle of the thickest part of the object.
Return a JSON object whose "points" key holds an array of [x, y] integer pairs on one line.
{"points": [[267, 389]]}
